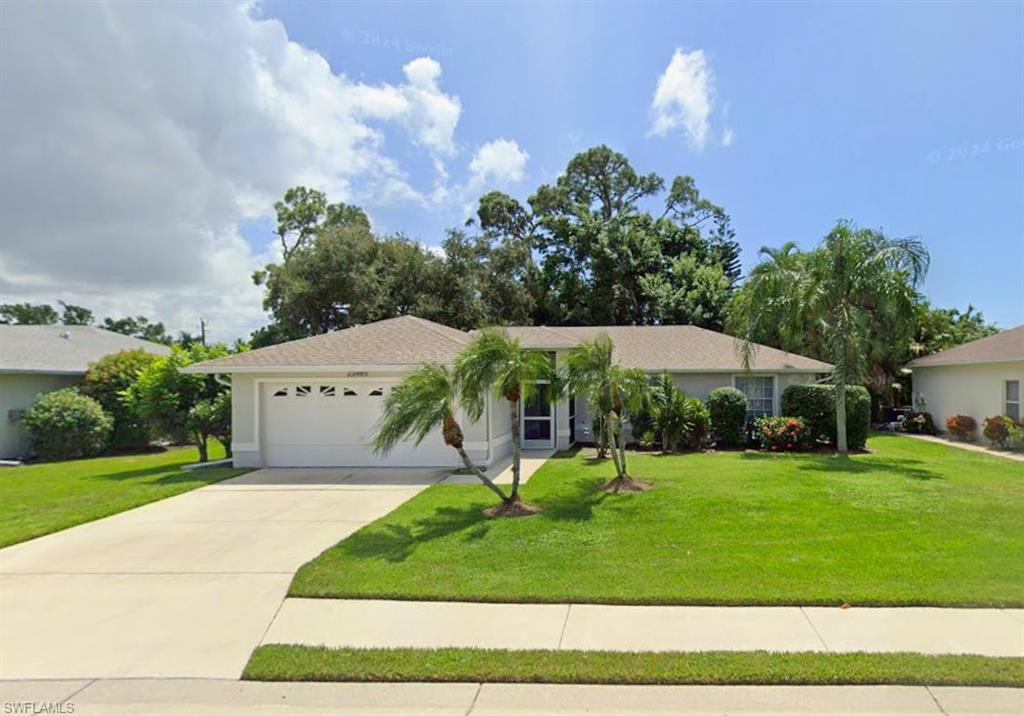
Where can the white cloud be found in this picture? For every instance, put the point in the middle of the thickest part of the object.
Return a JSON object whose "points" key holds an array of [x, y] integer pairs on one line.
{"points": [[727, 137], [500, 161], [684, 97], [139, 138]]}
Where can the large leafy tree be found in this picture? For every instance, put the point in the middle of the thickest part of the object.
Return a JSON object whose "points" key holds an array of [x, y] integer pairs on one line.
{"points": [[497, 363], [423, 402], [613, 391], [835, 297], [139, 327], [28, 314], [603, 259]]}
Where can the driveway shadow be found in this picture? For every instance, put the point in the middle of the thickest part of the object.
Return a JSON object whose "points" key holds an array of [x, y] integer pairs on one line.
{"points": [[395, 543]]}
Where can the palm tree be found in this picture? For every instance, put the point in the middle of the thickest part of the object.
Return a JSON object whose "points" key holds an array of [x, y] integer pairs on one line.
{"points": [[831, 295], [494, 361], [422, 402], [669, 410], [613, 391]]}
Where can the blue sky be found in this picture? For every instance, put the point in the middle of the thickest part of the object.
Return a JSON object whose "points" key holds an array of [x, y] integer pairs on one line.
{"points": [[144, 144], [903, 116]]}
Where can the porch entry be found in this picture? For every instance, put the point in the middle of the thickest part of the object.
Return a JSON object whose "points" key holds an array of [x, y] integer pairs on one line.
{"points": [[537, 420]]}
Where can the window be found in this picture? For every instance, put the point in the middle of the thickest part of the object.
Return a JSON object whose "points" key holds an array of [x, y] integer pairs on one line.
{"points": [[281, 393], [760, 392], [348, 392], [303, 391], [376, 392], [1011, 399], [327, 391]]}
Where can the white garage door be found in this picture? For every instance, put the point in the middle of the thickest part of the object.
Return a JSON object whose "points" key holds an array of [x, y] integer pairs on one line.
{"points": [[329, 423]]}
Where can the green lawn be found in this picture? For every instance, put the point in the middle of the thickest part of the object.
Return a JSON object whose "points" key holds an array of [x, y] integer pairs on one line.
{"points": [[38, 499], [281, 662], [911, 523]]}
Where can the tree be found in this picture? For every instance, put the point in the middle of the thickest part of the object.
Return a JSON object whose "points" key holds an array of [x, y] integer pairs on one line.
{"points": [[139, 327], [72, 315], [212, 417], [422, 402], [28, 314], [832, 296], [166, 396], [495, 362], [107, 381], [604, 260], [615, 392]]}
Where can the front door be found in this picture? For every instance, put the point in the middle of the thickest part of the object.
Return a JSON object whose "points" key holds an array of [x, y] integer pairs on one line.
{"points": [[538, 418]]}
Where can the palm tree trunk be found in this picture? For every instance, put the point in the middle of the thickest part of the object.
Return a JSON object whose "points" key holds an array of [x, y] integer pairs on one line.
{"points": [[610, 438], [841, 445], [481, 476], [622, 447], [517, 441]]}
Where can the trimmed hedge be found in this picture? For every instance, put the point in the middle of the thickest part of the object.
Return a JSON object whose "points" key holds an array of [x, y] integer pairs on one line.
{"points": [[66, 425], [727, 407], [816, 404]]}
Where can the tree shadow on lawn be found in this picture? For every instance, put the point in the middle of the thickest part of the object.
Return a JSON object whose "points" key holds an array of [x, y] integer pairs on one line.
{"points": [[831, 464], [167, 474], [397, 542]]}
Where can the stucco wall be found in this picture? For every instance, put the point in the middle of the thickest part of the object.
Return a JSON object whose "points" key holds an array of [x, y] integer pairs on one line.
{"points": [[974, 390], [17, 392]]}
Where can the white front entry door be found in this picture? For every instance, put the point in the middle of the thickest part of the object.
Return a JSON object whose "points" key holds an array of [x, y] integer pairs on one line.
{"points": [[537, 419], [327, 423]]}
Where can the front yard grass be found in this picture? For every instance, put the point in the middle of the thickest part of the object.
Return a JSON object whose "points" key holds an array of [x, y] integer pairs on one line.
{"points": [[911, 523], [39, 499], [281, 662]]}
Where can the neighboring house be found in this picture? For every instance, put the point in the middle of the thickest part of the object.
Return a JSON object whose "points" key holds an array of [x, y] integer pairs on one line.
{"points": [[316, 401], [980, 379], [38, 359]]}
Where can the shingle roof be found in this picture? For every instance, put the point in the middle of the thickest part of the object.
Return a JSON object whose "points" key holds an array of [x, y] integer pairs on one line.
{"points": [[63, 349], [1005, 346], [674, 348], [408, 340]]}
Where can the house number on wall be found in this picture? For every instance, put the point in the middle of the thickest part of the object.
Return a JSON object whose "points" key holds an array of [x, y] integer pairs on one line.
{"points": [[356, 374]]}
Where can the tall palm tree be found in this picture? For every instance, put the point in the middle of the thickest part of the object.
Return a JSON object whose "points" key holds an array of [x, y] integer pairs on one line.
{"points": [[615, 392], [422, 402], [831, 295], [496, 362]]}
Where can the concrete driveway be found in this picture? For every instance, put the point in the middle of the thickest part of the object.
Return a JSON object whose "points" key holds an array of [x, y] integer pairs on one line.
{"points": [[184, 587]]}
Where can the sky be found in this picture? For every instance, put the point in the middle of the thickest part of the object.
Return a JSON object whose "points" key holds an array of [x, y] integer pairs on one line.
{"points": [[143, 145]]}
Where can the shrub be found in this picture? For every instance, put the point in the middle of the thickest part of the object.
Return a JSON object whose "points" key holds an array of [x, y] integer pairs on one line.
{"points": [[672, 418], [727, 409], [106, 381], [920, 423], [816, 405], [65, 425], [697, 424], [780, 434], [961, 427], [212, 416], [999, 429]]}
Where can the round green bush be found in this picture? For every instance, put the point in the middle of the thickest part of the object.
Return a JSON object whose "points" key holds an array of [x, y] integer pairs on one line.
{"points": [[728, 410], [816, 404], [65, 425], [107, 380]]}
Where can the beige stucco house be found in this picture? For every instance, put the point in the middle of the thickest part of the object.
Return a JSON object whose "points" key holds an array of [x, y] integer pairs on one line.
{"points": [[980, 379], [38, 359], [316, 401]]}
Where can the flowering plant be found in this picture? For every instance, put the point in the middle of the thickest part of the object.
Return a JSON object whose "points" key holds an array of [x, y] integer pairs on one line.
{"points": [[779, 434]]}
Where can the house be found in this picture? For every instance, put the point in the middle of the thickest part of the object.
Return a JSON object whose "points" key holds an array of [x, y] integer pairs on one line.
{"points": [[38, 359], [315, 401], [980, 379]]}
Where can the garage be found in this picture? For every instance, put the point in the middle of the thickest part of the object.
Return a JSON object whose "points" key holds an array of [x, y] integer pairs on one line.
{"points": [[322, 423]]}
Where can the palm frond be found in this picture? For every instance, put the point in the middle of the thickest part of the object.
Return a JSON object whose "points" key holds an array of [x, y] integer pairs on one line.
{"points": [[415, 407]]}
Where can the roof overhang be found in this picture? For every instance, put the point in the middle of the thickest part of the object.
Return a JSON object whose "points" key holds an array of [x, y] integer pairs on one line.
{"points": [[299, 369], [945, 364], [40, 371]]}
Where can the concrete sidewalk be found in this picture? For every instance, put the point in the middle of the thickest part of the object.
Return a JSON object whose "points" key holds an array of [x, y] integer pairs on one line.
{"points": [[380, 623], [182, 697], [972, 447]]}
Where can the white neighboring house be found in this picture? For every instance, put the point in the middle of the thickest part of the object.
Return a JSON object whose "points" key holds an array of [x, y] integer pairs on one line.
{"points": [[38, 359], [315, 402], [980, 379]]}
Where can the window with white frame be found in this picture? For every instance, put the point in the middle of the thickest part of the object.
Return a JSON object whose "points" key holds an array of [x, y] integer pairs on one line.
{"points": [[1011, 399], [760, 392]]}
